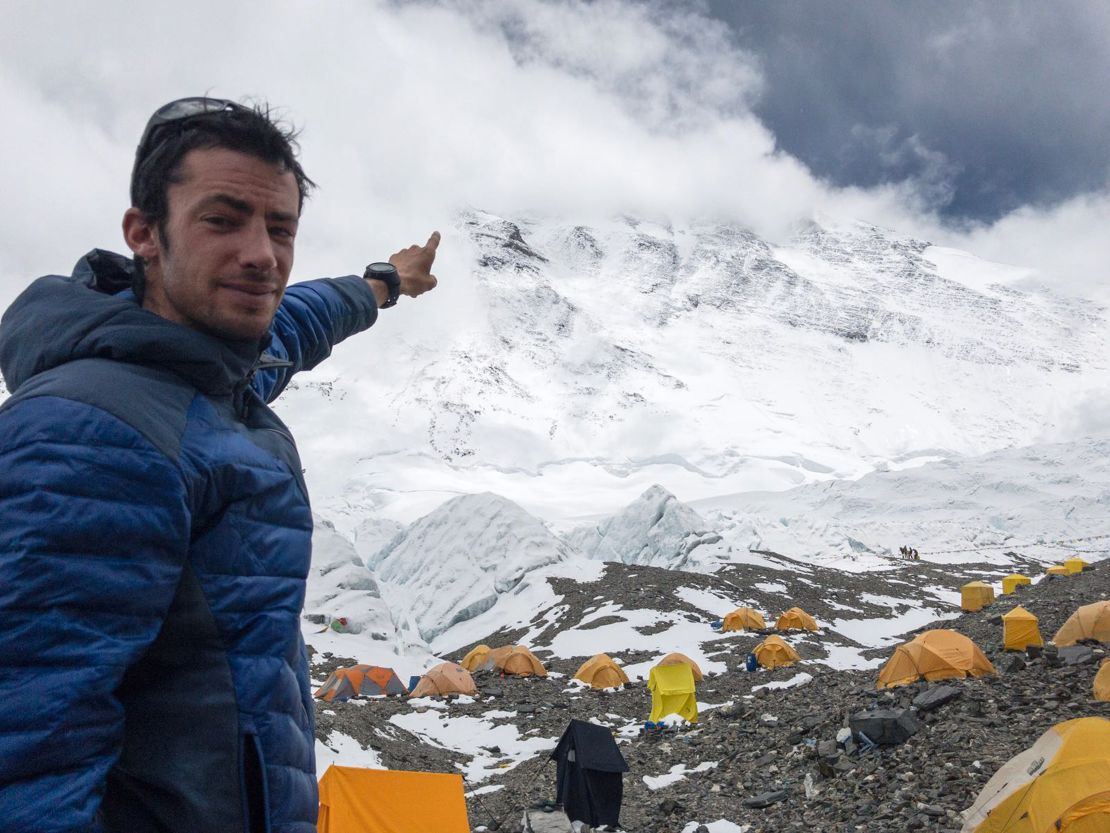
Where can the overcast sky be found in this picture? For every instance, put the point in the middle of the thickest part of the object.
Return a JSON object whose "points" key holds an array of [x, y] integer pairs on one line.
{"points": [[978, 126]]}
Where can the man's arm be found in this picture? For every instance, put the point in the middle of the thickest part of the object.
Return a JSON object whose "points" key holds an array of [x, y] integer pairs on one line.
{"points": [[314, 316], [93, 534]]}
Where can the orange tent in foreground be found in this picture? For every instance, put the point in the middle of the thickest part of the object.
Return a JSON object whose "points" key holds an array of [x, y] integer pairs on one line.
{"points": [[445, 678], [676, 658], [355, 800], [936, 654], [1088, 622]]}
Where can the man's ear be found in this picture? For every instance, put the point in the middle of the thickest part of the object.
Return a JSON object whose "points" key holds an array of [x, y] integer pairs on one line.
{"points": [[140, 235]]}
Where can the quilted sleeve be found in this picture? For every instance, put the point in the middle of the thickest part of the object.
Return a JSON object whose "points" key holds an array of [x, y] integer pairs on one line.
{"points": [[313, 317], [93, 535]]}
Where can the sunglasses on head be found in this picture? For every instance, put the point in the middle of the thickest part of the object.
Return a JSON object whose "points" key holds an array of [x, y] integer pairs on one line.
{"points": [[177, 114]]}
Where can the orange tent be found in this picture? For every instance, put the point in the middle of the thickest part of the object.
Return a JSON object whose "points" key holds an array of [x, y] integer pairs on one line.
{"points": [[476, 658], [744, 619], [796, 619], [936, 654], [516, 660], [775, 652], [1019, 630], [365, 680], [1102, 682], [676, 658], [1088, 622], [355, 800], [446, 678], [976, 595], [601, 672]]}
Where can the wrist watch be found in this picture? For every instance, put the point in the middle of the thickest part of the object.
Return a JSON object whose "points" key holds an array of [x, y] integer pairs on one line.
{"points": [[387, 273]]}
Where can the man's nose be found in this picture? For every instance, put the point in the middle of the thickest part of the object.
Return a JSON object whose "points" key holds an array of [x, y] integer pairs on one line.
{"points": [[257, 252]]}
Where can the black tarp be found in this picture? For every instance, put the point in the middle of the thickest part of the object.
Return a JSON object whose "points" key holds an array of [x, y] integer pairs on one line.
{"points": [[589, 783], [885, 727]]}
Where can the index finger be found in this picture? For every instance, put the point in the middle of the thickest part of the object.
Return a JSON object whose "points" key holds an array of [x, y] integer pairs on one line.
{"points": [[433, 241]]}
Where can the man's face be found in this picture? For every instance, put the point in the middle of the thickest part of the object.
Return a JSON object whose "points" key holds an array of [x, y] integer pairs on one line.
{"points": [[228, 248]]}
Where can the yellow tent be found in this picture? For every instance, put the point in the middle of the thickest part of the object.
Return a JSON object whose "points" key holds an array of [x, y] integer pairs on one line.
{"points": [[1057, 570], [672, 692], [1088, 622], [677, 659], [975, 595], [936, 654], [796, 619], [445, 678], [774, 652], [599, 671], [1102, 682], [516, 660], [476, 658], [1061, 784], [744, 619], [1019, 630], [1075, 564], [1013, 581], [355, 800]]}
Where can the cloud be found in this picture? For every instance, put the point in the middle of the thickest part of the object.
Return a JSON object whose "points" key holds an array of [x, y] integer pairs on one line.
{"points": [[411, 110]]}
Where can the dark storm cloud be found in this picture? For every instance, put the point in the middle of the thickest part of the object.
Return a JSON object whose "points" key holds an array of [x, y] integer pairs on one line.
{"points": [[990, 106]]}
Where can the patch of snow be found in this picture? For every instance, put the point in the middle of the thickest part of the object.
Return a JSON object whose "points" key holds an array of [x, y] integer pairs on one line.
{"points": [[343, 750], [678, 772], [798, 679]]}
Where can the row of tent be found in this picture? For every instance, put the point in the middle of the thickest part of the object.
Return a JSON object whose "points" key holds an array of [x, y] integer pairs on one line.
{"points": [[975, 595], [750, 619], [940, 654]]}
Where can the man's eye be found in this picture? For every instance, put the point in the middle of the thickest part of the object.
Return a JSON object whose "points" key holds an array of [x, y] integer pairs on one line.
{"points": [[219, 222], [279, 231]]}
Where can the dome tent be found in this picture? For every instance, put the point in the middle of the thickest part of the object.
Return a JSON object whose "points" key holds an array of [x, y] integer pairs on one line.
{"points": [[1101, 686], [599, 671], [363, 680], [775, 652], [744, 619], [445, 678], [936, 654], [681, 659], [1059, 784], [1088, 622], [796, 619], [515, 660], [476, 658]]}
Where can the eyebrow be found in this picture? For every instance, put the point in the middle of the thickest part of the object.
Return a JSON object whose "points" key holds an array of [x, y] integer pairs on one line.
{"points": [[244, 207]]}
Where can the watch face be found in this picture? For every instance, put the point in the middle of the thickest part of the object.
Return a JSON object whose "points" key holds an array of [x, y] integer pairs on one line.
{"points": [[380, 268]]}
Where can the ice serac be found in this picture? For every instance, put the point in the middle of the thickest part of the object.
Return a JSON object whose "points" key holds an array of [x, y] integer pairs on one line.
{"points": [[341, 587], [453, 563], [656, 529]]}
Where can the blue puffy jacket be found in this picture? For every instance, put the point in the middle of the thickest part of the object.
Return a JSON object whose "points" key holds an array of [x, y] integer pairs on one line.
{"points": [[154, 544]]}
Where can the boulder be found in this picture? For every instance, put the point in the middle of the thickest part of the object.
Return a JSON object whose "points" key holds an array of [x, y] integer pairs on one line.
{"points": [[885, 727], [935, 697]]}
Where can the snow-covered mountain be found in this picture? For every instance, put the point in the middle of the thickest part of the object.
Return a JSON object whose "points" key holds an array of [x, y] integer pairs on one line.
{"points": [[579, 365]]}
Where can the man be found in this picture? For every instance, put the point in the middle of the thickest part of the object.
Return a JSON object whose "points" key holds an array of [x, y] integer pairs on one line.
{"points": [[154, 523]]}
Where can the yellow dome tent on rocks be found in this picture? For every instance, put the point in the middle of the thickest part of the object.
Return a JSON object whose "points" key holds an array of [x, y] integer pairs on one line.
{"points": [[775, 652], [1061, 784], [744, 619], [1102, 682], [1088, 622], [796, 619], [599, 671], [476, 658], [516, 660], [1075, 565], [936, 654]]}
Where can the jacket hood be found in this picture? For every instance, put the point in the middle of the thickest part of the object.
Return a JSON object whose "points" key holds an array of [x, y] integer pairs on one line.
{"points": [[94, 314]]}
